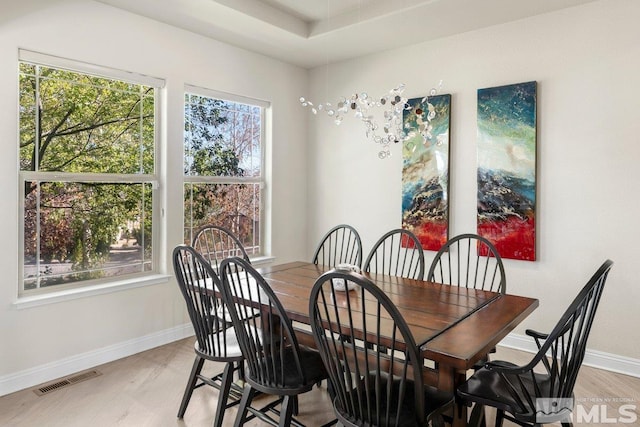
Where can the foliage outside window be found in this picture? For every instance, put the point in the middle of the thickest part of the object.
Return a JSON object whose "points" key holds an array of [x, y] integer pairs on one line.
{"points": [[87, 166], [223, 167]]}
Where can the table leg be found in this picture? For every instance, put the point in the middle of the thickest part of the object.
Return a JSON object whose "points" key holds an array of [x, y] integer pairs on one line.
{"points": [[448, 380]]}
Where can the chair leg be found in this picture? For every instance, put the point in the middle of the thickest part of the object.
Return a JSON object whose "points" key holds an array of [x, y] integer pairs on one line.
{"points": [[477, 417], [499, 418], [294, 405], [286, 413], [225, 386], [437, 421], [247, 397], [193, 378], [240, 369]]}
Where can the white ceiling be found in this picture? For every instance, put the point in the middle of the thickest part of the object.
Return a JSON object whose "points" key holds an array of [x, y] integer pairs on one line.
{"points": [[310, 33]]}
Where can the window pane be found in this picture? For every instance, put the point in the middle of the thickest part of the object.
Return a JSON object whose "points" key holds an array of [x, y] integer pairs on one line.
{"points": [[222, 138], [233, 206], [83, 231], [255, 149], [27, 120], [74, 122]]}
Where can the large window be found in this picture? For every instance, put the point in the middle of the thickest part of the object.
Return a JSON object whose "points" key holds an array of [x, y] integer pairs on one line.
{"points": [[87, 173], [223, 165]]}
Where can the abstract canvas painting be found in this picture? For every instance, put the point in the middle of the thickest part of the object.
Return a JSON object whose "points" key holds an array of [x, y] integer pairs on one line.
{"points": [[425, 170], [507, 169]]}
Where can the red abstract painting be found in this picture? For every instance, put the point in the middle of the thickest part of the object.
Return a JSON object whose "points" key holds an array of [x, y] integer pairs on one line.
{"points": [[425, 170], [507, 169]]}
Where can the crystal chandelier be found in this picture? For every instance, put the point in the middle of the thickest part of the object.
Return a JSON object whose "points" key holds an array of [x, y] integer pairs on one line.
{"points": [[394, 105]]}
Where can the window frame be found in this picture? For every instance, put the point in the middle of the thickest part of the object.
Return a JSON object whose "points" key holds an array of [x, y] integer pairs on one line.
{"points": [[42, 295], [264, 252]]}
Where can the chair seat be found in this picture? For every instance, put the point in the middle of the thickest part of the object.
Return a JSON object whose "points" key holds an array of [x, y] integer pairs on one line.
{"points": [[248, 288], [434, 399], [286, 370], [223, 313], [488, 387], [225, 338]]}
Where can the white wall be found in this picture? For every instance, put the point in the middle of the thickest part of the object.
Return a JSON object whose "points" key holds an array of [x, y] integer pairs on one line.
{"points": [[586, 61], [40, 343]]}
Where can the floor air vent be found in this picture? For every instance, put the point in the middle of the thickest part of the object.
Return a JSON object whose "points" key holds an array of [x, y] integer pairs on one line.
{"points": [[74, 379]]}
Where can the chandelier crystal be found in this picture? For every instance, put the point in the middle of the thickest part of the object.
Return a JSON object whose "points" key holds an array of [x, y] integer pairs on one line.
{"points": [[393, 103]]}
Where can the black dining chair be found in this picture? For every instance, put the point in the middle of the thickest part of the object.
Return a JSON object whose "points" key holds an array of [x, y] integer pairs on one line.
{"points": [[371, 387], [216, 341], [541, 391], [341, 245], [471, 261], [216, 243], [275, 363], [397, 253]]}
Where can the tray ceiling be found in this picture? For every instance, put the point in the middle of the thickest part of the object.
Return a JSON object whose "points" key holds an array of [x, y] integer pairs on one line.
{"points": [[310, 33]]}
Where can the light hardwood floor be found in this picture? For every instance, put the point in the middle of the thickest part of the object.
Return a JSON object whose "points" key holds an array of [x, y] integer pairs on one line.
{"points": [[145, 390]]}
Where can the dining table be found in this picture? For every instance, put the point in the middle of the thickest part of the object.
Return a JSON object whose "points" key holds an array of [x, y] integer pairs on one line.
{"points": [[454, 327]]}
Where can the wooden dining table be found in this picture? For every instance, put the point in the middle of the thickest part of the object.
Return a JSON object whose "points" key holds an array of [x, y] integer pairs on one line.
{"points": [[454, 327]]}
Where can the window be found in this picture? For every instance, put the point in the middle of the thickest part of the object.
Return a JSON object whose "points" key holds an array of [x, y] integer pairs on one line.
{"points": [[223, 165], [87, 173]]}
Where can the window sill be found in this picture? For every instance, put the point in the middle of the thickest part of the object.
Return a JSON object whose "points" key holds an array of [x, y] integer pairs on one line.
{"points": [[262, 260], [104, 288]]}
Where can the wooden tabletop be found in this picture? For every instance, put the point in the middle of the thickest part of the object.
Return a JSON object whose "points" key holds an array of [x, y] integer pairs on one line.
{"points": [[452, 325]]}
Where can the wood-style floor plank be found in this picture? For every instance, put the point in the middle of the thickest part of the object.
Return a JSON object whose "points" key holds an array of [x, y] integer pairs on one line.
{"points": [[146, 389]]}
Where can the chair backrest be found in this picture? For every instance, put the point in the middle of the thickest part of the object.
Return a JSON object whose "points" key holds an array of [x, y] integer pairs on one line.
{"points": [[197, 282], [341, 245], [356, 365], [397, 253], [263, 339], [471, 261], [216, 243], [560, 355]]}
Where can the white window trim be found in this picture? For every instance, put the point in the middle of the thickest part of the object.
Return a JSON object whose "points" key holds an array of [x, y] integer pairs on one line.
{"points": [[202, 91], [30, 301], [37, 58]]}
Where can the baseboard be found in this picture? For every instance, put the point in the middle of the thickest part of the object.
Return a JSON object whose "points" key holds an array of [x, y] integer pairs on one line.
{"points": [[50, 371], [60, 368], [593, 358]]}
